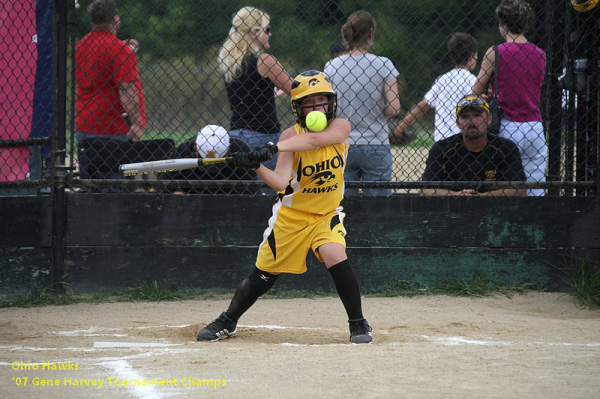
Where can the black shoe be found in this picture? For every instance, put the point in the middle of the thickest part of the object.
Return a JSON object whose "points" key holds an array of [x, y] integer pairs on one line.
{"points": [[360, 331], [222, 327]]}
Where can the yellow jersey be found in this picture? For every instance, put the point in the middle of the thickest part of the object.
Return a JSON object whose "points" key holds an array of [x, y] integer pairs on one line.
{"points": [[317, 182]]}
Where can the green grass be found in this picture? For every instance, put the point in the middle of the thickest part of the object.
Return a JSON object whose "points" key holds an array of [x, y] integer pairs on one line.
{"points": [[478, 286], [400, 288], [475, 286], [39, 297], [587, 283], [292, 294], [177, 137], [154, 291], [49, 297], [150, 291], [424, 140], [583, 278]]}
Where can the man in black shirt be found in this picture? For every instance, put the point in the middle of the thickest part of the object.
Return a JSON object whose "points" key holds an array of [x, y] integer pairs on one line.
{"points": [[473, 156]]}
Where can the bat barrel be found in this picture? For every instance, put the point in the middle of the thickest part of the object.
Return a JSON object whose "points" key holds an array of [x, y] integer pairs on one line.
{"points": [[167, 165]]}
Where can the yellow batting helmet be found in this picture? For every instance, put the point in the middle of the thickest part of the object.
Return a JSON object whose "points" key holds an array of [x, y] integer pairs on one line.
{"points": [[584, 5], [312, 83]]}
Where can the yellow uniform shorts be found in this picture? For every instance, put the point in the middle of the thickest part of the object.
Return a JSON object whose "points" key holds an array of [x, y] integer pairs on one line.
{"points": [[292, 233]]}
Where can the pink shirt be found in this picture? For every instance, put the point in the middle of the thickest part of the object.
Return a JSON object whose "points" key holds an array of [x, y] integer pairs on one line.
{"points": [[521, 70]]}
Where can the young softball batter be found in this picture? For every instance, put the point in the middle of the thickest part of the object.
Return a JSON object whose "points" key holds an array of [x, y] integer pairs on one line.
{"points": [[309, 176]]}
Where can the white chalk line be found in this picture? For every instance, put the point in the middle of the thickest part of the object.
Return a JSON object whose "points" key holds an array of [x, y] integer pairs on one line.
{"points": [[276, 327], [113, 344], [121, 370], [453, 341], [21, 348], [108, 331], [155, 348], [97, 360], [102, 331], [124, 371], [298, 345], [83, 332]]}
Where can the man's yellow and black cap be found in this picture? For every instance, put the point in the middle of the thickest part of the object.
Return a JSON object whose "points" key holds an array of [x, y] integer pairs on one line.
{"points": [[475, 102]]}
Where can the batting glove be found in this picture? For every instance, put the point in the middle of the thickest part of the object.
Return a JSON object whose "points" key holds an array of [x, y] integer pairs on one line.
{"points": [[264, 152], [253, 158], [244, 160]]}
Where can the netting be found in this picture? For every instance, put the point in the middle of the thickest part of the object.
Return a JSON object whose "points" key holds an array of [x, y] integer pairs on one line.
{"points": [[144, 80]]}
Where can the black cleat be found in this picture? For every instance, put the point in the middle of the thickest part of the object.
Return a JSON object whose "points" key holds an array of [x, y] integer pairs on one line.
{"points": [[360, 331], [222, 327]]}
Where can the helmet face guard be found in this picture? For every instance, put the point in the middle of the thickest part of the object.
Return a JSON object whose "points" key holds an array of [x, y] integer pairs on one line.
{"points": [[331, 107], [310, 84]]}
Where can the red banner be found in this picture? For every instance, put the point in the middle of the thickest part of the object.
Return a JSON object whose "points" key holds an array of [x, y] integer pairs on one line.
{"points": [[18, 58]]}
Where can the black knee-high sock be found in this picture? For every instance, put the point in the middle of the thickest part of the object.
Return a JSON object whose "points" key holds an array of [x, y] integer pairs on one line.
{"points": [[249, 291], [347, 288]]}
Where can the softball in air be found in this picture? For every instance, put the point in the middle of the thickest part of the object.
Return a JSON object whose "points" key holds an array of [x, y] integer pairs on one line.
{"points": [[316, 121]]}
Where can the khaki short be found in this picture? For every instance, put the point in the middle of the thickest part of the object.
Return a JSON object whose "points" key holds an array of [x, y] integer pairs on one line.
{"points": [[292, 233]]}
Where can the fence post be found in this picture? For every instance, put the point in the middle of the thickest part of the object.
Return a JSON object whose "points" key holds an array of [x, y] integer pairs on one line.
{"points": [[555, 45], [59, 211], [585, 83]]}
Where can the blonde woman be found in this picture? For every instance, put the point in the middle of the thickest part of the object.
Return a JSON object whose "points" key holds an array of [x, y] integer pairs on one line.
{"points": [[367, 97], [251, 78]]}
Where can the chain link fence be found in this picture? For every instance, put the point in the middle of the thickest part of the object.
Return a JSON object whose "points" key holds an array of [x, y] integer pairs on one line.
{"points": [[26, 112], [143, 80]]}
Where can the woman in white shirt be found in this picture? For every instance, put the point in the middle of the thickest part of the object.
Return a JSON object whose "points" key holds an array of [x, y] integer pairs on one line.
{"points": [[367, 96]]}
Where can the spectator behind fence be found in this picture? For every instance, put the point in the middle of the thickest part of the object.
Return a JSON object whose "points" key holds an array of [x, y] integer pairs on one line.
{"points": [[110, 98], [212, 141], [473, 156], [251, 76], [337, 49], [367, 97], [520, 69], [447, 89]]}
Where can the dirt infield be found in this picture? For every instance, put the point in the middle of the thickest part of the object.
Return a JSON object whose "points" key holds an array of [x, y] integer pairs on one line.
{"points": [[536, 345]]}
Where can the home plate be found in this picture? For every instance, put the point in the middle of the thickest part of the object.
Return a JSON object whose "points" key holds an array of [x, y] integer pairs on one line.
{"points": [[132, 345]]}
